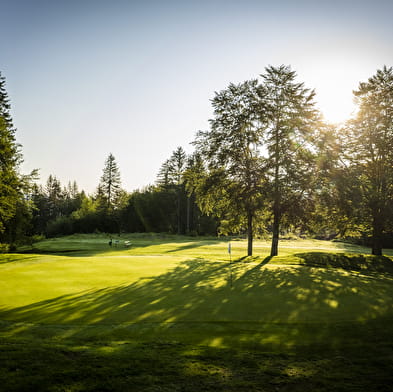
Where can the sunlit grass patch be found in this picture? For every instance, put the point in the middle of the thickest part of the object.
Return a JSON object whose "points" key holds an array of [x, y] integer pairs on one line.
{"points": [[175, 312]]}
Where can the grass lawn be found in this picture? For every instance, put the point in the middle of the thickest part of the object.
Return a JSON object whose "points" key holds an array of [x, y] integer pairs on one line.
{"points": [[171, 313]]}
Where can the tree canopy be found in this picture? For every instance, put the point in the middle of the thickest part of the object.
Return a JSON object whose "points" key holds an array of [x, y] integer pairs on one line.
{"points": [[267, 164], [370, 148], [258, 150]]}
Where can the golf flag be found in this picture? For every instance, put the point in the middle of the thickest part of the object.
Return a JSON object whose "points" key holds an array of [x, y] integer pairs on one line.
{"points": [[229, 248]]}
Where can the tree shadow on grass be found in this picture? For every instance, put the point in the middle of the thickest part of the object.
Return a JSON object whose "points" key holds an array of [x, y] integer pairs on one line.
{"points": [[253, 259], [187, 329], [191, 245], [15, 258], [348, 261], [101, 247], [197, 291]]}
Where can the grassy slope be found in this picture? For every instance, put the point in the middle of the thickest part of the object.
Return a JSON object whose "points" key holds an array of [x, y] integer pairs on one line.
{"points": [[172, 314]]}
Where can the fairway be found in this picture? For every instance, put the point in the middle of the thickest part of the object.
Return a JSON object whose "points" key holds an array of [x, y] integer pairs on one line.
{"points": [[181, 299]]}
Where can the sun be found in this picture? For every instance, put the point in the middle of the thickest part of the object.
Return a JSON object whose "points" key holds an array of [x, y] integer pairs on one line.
{"points": [[334, 97], [334, 83], [336, 104]]}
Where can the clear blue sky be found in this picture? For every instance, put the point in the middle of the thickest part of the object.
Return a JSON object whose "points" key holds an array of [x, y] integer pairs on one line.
{"points": [[135, 78]]}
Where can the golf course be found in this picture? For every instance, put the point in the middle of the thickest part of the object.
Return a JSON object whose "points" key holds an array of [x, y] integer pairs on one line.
{"points": [[172, 313]]}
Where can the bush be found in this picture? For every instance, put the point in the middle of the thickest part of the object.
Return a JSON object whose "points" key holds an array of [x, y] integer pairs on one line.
{"points": [[4, 248], [37, 238], [60, 226]]}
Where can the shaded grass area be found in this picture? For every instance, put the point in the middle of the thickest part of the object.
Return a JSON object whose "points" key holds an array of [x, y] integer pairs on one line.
{"points": [[196, 290], [354, 360], [351, 262], [153, 318]]}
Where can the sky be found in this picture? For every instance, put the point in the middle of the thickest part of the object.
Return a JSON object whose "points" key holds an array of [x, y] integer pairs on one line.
{"points": [[135, 78]]}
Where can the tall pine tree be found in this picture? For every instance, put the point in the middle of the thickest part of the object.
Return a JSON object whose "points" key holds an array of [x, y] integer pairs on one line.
{"points": [[10, 159], [232, 185], [109, 189], [371, 148], [288, 118]]}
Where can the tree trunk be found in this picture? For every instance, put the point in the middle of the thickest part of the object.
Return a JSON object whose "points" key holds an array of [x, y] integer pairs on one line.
{"points": [[188, 214], [276, 231], [277, 198], [377, 236], [249, 233], [178, 211]]}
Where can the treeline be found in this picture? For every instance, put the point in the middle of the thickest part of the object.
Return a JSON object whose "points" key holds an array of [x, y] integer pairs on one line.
{"points": [[165, 207], [268, 165]]}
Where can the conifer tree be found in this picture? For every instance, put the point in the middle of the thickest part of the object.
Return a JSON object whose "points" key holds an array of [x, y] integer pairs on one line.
{"points": [[232, 185], [171, 176], [257, 151], [10, 159], [55, 197], [371, 149], [109, 189], [287, 114]]}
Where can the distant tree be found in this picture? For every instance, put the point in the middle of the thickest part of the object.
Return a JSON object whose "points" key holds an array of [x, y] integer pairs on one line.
{"points": [[370, 136], [109, 188], [86, 219], [194, 169], [130, 217], [53, 202], [55, 197], [72, 198], [171, 176], [164, 175], [41, 209]]}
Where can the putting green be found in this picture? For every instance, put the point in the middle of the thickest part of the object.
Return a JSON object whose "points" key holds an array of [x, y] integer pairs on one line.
{"points": [[182, 281]]}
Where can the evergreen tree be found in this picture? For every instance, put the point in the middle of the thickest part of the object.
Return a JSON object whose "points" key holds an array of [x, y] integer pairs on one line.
{"points": [[231, 187], [259, 151], [287, 115], [371, 150], [171, 176], [55, 197], [109, 188], [172, 170], [10, 159]]}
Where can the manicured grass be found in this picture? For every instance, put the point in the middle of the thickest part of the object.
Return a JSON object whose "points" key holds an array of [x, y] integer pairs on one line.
{"points": [[171, 313]]}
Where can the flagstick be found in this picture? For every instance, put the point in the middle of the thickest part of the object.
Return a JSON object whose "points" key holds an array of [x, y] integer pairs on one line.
{"points": [[230, 261]]}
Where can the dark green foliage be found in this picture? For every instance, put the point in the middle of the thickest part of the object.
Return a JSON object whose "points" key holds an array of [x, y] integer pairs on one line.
{"points": [[54, 207], [10, 159], [15, 207], [156, 209], [176, 178], [171, 178]]}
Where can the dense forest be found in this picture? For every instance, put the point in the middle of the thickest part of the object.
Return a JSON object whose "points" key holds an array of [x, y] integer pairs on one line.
{"points": [[268, 166]]}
